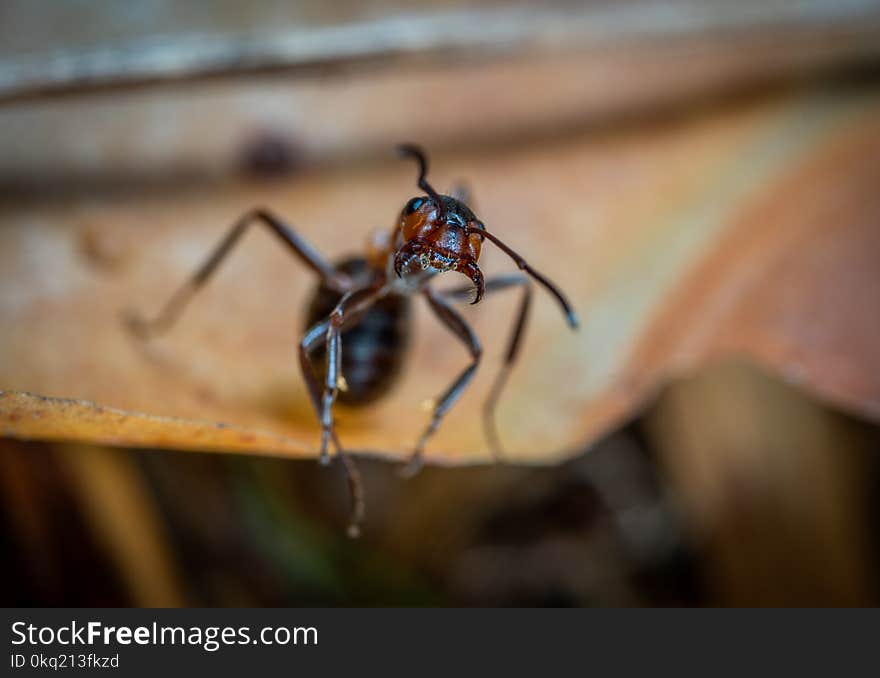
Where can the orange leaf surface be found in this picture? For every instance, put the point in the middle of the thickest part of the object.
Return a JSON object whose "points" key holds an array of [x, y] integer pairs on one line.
{"points": [[753, 229]]}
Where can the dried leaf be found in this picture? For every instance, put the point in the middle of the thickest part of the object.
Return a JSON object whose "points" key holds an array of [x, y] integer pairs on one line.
{"points": [[750, 230], [35, 417]]}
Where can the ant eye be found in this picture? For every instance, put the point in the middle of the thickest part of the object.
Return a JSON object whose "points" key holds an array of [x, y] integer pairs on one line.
{"points": [[413, 205]]}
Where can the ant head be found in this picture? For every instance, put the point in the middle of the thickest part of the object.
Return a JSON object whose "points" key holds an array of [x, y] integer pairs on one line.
{"points": [[440, 233]]}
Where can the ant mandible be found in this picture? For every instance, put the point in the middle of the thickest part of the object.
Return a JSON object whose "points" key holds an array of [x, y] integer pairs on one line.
{"points": [[363, 303]]}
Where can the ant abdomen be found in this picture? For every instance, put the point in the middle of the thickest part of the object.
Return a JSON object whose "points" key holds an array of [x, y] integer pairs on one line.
{"points": [[374, 350]]}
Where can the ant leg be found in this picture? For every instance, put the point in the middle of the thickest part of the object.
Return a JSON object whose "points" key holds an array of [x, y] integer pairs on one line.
{"points": [[329, 331], [451, 318], [490, 425], [314, 337], [493, 285], [178, 301]]}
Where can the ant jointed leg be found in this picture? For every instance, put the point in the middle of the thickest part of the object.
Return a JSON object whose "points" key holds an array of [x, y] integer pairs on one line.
{"points": [[459, 327], [328, 274], [502, 282]]}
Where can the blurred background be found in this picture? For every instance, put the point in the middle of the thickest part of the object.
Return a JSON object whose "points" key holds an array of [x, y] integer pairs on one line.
{"points": [[729, 450]]}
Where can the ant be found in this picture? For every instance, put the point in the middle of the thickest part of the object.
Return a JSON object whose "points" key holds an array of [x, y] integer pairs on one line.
{"points": [[363, 302]]}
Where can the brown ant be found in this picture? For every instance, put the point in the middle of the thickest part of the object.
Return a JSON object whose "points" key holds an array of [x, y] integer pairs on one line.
{"points": [[363, 302]]}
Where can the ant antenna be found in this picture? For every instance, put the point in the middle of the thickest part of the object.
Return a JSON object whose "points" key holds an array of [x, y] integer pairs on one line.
{"points": [[416, 152], [523, 265]]}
